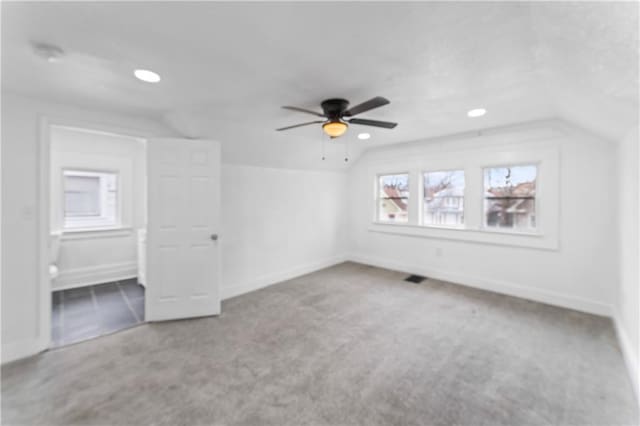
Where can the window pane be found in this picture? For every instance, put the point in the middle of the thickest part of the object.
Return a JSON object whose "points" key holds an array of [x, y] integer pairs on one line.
{"points": [[444, 198], [510, 197], [393, 198], [82, 196], [90, 199]]}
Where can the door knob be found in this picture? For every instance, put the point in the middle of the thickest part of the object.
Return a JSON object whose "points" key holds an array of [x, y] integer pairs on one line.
{"points": [[214, 237]]}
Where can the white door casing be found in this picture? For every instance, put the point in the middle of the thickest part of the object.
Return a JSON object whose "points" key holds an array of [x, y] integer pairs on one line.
{"points": [[183, 253]]}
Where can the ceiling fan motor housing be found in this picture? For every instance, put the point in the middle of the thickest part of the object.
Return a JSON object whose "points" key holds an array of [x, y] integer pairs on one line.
{"points": [[334, 108]]}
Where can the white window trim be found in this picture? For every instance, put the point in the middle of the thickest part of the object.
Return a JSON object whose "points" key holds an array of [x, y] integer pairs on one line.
{"points": [[473, 161], [92, 228]]}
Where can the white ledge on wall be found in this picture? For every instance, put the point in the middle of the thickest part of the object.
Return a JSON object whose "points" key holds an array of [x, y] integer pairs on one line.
{"points": [[480, 236], [80, 234]]}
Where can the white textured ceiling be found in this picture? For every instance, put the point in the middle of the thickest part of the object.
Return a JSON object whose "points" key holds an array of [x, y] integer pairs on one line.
{"points": [[227, 68]]}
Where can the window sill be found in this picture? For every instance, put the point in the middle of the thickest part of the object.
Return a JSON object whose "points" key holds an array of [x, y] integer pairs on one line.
{"points": [[382, 222], [452, 228], [481, 235], [504, 231], [89, 233]]}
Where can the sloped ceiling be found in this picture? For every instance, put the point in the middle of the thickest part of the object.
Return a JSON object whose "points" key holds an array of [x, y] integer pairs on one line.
{"points": [[228, 67]]}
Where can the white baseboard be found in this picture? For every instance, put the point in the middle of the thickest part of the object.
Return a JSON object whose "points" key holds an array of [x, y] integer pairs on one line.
{"points": [[228, 292], [20, 349], [629, 353], [537, 295], [80, 277]]}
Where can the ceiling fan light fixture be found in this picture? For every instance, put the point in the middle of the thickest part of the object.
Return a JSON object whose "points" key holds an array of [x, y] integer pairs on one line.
{"points": [[335, 128]]}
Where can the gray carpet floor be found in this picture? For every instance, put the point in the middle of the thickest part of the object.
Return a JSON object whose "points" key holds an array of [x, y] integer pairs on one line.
{"points": [[350, 344]]}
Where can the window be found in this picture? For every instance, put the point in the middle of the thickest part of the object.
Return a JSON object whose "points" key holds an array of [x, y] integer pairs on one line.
{"points": [[510, 197], [393, 198], [443, 198], [90, 199]]}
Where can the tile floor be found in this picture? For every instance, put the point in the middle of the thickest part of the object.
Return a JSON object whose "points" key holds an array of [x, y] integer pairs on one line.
{"points": [[83, 313]]}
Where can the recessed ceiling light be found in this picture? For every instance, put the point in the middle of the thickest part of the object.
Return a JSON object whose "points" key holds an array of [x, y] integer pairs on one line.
{"points": [[478, 112], [364, 136], [146, 75]]}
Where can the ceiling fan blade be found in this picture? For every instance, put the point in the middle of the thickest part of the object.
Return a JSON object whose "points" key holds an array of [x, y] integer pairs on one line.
{"points": [[376, 123], [376, 102], [292, 108], [300, 125]]}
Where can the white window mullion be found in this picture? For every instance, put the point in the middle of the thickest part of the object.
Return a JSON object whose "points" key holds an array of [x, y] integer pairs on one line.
{"points": [[415, 189], [473, 198]]}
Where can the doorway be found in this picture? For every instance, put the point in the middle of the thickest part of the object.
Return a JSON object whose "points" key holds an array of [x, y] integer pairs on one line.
{"points": [[174, 234], [97, 213]]}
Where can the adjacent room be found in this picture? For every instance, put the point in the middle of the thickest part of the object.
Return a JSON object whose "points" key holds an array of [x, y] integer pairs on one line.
{"points": [[320, 213], [97, 206]]}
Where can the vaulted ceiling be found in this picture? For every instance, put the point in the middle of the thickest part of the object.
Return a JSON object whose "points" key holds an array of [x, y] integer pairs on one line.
{"points": [[228, 67]]}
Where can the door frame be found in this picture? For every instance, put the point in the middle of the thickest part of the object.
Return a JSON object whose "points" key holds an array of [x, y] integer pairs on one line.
{"points": [[45, 124]]}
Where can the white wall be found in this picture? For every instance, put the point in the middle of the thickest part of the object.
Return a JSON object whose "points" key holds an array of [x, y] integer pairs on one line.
{"points": [[94, 257], [580, 273], [22, 332], [628, 298], [279, 223]]}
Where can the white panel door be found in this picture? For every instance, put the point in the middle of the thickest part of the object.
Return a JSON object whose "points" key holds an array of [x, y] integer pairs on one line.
{"points": [[183, 255]]}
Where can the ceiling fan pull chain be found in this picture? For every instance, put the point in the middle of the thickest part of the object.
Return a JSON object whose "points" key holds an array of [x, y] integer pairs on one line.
{"points": [[323, 143], [346, 150]]}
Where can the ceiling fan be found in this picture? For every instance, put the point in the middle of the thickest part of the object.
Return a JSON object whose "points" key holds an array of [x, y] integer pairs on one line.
{"points": [[335, 111]]}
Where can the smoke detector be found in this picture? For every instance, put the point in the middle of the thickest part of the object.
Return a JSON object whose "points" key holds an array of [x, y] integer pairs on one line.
{"points": [[49, 52]]}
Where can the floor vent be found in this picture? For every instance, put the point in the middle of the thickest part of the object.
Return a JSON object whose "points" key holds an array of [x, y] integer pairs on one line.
{"points": [[416, 279]]}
